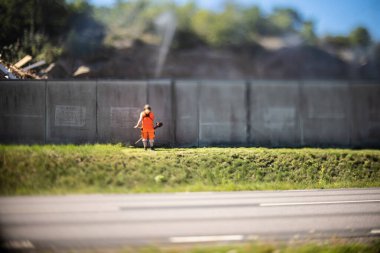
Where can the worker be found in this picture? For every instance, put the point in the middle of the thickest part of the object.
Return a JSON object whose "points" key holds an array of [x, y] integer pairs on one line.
{"points": [[147, 128]]}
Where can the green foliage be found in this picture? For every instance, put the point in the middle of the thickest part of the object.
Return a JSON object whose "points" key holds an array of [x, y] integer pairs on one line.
{"points": [[112, 168], [284, 20], [237, 26], [130, 21], [28, 27], [32, 16], [360, 37], [78, 28], [338, 42], [307, 33], [37, 45], [40, 28], [212, 27], [357, 37], [326, 246], [234, 25]]}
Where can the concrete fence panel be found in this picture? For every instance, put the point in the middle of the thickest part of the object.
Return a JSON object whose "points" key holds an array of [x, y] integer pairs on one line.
{"points": [[222, 113], [22, 111], [325, 113], [71, 112], [187, 113], [195, 113], [274, 111], [160, 97], [119, 104], [365, 104]]}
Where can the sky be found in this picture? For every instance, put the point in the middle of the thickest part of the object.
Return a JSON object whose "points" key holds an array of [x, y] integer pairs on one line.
{"points": [[336, 17]]}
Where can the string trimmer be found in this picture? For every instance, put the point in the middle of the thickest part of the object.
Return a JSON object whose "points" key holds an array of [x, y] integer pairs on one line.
{"points": [[158, 125]]}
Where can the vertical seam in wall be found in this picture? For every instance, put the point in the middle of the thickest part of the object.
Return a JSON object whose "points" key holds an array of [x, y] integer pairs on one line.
{"points": [[46, 111], [198, 116], [174, 112], [147, 92], [96, 111], [301, 104], [350, 112], [248, 111]]}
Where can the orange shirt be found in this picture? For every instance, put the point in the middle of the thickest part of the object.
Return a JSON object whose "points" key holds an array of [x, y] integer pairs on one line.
{"points": [[148, 122]]}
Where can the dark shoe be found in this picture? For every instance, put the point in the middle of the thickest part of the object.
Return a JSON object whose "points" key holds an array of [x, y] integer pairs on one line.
{"points": [[146, 148], [152, 148]]}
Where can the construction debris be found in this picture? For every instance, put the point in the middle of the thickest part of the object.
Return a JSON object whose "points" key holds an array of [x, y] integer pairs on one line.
{"points": [[81, 71], [6, 73], [35, 65], [23, 61], [48, 69], [10, 71]]}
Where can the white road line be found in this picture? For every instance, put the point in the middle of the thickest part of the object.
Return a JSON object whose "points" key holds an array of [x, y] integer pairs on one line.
{"points": [[19, 244], [211, 238], [375, 231], [320, 202]]}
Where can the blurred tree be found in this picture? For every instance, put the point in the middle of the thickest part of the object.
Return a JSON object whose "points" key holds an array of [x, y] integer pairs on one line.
{"points": [[185, 13], [338, 42], [308, 34], [32, 16], [40, 27], [283, 20], [253, 21], [86, 34], [360, 37], [185, 36], [218, 29], [32, 27], [130, 20]]}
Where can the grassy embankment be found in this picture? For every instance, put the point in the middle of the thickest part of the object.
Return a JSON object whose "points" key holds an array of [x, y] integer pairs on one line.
{"points": [[61, 169], [331, 246]]}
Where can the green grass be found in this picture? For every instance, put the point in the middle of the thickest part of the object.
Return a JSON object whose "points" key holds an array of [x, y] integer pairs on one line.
{"points": [[62, 169], [330, 246]]}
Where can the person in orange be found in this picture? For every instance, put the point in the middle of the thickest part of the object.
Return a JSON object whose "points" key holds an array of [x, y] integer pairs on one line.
{"points": [[147, 129]]}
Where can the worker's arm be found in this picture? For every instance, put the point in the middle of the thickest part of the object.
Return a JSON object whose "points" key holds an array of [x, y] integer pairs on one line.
{"points": [[140, 119]]}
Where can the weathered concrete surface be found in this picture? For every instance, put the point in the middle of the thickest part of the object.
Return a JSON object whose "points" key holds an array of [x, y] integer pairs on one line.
{"points": [[365, 104], [186, 103], [260, 113], [119, 107], [160, 98], [325, 119], [222, 113], [71, 112], [274, 113], [22, 112]]}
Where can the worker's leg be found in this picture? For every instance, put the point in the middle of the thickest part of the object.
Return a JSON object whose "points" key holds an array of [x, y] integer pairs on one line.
{"points": [[145, 143], [144, 136], [151, 140]]}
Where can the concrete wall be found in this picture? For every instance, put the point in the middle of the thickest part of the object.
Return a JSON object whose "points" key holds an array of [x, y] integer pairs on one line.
{"points": [[222, 113], [274, 114], [365, 111], [326, 114], [118, 105], [22, 112], [71, 112], [187, 113], [160, 97], [195, 113]]}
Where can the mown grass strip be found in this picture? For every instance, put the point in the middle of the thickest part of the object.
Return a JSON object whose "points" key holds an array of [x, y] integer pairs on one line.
{"points": [[62, 169], [328, 246]]}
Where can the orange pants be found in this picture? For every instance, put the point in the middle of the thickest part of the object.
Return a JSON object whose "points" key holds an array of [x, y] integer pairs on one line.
{"points": [[147, 135]]}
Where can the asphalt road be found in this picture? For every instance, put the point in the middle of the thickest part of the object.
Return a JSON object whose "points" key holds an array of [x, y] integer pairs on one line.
{"points": [[117, 220]]}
